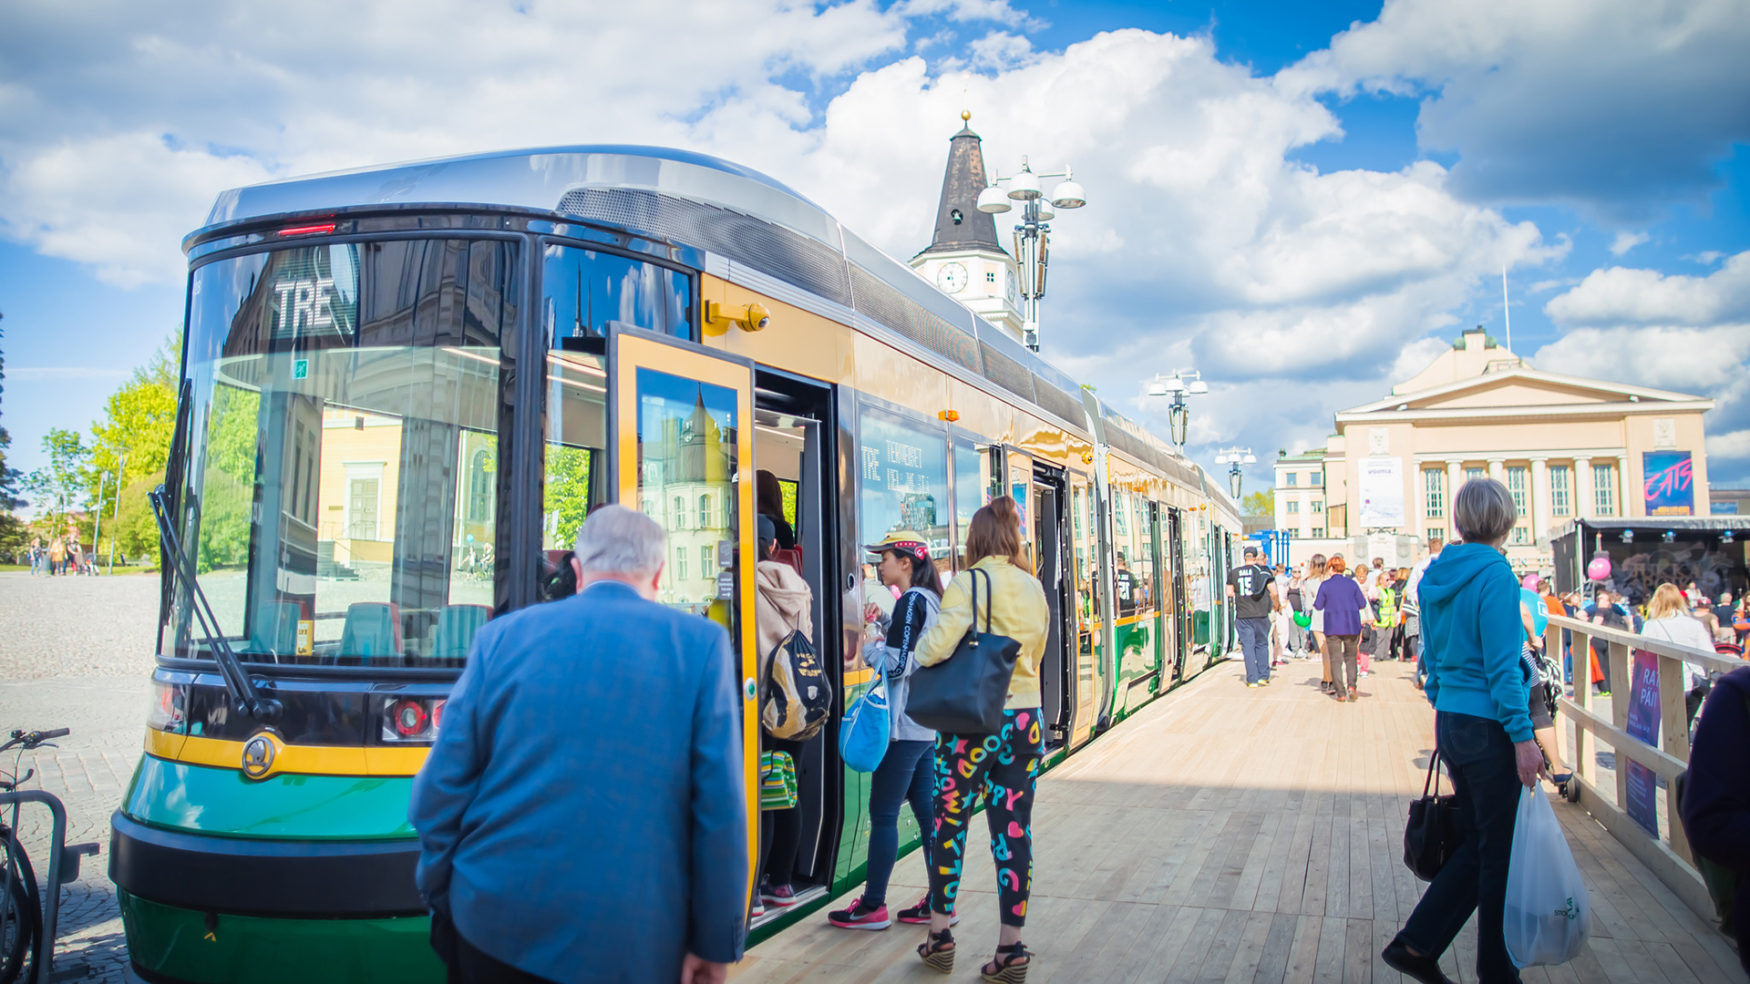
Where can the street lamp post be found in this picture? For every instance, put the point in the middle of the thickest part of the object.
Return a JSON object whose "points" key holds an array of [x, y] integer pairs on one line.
{"points": [[97, 518], [1033, 234], [1183, 383], [120, 466], [1234, 458]]}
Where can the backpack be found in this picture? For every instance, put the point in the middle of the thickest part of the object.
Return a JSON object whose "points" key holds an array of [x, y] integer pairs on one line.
{"points": [[798, 700]]}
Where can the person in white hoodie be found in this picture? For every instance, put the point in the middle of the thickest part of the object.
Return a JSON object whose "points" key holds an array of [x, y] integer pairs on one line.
{"points": [[1668, 620], [783, 604], [907, 772]]}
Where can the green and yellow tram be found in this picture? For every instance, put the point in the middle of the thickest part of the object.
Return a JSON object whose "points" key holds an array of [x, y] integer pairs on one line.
{"points": [[402, 390]]}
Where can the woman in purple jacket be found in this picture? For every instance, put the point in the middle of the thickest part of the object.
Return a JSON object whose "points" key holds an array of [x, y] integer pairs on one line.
{"points": [[1341, 600]]}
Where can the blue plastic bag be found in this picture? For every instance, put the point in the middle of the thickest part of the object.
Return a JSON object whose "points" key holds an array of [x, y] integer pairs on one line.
{"points": [[863, 737]]}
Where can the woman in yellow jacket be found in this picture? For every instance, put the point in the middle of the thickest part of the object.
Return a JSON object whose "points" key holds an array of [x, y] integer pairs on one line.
{"points": [[1002, 766]]}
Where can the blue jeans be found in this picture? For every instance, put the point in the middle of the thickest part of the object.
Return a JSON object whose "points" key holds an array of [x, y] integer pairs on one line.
{"points": [[1255, 644], [1485, 778], [906, 773]]}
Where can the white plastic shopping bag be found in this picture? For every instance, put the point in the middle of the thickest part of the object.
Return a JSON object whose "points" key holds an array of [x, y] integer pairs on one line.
{"points": [[1548, 916]]}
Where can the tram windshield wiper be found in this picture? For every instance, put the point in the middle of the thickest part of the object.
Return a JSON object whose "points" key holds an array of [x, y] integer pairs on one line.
{"points": [[244, 697]]}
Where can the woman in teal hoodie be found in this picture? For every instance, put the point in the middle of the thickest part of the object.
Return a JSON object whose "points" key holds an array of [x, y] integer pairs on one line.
{"points": [[1471, 644]]}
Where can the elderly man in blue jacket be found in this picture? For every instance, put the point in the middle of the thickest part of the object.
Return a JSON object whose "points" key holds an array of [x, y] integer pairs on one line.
{"points": [[582, 815]]}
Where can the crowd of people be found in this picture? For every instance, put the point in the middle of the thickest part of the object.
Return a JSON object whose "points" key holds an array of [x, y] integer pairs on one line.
{"points": [[506, 906], [60, 555]]}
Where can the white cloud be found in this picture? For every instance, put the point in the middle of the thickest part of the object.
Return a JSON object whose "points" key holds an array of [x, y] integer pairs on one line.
{"points": [[1665, 357], [1707, 257], [1621, 295], [1626, 241], [1635, 100], [32, 374]]}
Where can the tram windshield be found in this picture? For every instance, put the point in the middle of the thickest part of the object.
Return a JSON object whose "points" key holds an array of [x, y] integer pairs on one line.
{"points": [[338, 481]]}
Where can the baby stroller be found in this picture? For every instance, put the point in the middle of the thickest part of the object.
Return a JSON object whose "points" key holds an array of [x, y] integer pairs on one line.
{"points": [[1731, 649]]}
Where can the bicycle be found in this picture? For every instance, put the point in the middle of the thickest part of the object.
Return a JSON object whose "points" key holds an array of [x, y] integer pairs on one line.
{"points": [[27, 920]]}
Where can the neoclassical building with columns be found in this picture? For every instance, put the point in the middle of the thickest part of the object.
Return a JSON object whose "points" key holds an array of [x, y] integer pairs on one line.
{"points": [[1566, 447]]}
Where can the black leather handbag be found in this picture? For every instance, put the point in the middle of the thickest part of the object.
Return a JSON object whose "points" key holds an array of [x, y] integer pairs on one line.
{"points": [[964, 694], [1435, 828]]}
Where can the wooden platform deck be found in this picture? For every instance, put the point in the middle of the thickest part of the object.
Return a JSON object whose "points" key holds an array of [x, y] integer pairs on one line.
{"points": [[1228, 835]]}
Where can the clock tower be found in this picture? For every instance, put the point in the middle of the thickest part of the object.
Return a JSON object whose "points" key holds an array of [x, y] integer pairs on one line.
{"points": [[964, 259]]}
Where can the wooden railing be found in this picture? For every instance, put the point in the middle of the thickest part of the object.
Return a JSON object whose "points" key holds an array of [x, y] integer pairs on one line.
{"points": [[1598, 718]]}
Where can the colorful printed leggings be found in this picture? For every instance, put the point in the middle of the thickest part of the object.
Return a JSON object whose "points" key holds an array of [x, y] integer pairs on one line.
{"points": [[1001, 768]]}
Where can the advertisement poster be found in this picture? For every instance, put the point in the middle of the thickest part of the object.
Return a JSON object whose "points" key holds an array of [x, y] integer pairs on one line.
{"points": [[1670, 484], [1382, 492], [1643, 723]]}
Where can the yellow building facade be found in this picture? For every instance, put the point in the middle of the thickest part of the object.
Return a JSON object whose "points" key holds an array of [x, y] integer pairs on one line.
{"points": [[1566, 447]]}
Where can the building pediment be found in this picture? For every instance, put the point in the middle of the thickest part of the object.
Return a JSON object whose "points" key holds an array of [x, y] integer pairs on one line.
{"points": [[1525, 389]]}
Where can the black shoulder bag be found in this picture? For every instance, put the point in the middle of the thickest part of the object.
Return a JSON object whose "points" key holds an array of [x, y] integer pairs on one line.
{"points": [[1435, 828], [964, 694]]}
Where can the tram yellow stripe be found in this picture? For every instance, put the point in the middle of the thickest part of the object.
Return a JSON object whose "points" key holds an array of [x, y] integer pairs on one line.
{"points": [[314, 760]]}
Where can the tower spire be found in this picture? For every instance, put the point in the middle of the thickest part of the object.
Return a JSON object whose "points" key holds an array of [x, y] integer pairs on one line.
{"points": [[959, 223]]}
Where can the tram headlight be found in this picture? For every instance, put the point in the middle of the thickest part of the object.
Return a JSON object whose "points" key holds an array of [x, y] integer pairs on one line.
{"points": [[411, 719], [169, 707]]}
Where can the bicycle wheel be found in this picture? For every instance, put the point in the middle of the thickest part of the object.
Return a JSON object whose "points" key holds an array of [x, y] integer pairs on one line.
{"points": [[20, 916]]}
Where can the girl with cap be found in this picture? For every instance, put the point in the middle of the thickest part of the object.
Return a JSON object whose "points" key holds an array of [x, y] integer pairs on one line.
{"points": [[907, 772]]}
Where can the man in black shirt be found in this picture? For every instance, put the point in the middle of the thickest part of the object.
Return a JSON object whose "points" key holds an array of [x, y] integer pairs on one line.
{"points": [[1253, 591]]}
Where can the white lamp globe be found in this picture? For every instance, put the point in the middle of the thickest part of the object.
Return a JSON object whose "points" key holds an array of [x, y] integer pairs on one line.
{"points": [[1197, 387], [1024, 186], [1046, 212], [1069, 194], [993, 200]]}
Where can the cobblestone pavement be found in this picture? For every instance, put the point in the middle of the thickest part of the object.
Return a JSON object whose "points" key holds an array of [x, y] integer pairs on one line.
{"points": [[75, 653]]}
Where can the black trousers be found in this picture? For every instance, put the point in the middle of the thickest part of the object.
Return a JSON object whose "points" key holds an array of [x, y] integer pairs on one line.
{"points": [[781, 830], [466, 963]]}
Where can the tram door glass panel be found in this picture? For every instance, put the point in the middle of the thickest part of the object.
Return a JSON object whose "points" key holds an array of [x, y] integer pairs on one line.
{"points": [[686, 480], [971, 491], [1087, 598], [584, 291], [1020, 487], [576, 467], [903, 486], [338, 482]]}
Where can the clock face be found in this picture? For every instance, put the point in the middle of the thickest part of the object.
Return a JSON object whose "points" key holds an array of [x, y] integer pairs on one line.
{"points": [[951, 278]]}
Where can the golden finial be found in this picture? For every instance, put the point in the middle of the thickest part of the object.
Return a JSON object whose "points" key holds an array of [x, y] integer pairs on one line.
{"points": [[966, 116]]}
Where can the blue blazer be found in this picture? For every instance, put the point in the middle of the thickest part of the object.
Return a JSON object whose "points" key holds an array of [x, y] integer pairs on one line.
{"points": [[581, 815]]}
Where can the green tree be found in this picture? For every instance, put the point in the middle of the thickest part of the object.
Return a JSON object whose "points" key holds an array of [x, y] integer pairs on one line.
{"points": [[567, 495], [1262, 504], [60, 486], [228, 484], [133, 438]]}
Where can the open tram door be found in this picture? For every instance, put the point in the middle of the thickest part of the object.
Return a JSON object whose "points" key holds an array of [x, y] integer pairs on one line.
{"points": [[1040, 490], [682, 422]]}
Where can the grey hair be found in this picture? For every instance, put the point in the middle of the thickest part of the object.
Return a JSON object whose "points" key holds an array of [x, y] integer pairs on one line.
{"points": [[618, 540], [1483, 511]]}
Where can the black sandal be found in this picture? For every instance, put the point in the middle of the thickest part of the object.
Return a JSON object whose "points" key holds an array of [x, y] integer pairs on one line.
{"points": [[938, 952], [1010, 965]]}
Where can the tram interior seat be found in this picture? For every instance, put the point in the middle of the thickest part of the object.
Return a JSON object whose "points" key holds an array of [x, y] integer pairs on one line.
{"points": [[372, 631], [455, 630]]}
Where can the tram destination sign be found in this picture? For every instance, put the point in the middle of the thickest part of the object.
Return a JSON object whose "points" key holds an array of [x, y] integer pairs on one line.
{"points": [[314, 292]]}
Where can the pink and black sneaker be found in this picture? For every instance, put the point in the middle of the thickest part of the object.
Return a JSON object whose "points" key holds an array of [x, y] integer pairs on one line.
{"points": [[778, 896], [860, 916], [919, 914]]}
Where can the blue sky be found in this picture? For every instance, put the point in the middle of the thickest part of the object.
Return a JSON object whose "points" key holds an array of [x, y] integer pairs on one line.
{"points": [[1303, 200]]}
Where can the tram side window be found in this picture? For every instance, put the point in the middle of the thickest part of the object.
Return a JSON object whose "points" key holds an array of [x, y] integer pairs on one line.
{"points": [[904, 480], [575, 472], [583, 291], [339, 478]]}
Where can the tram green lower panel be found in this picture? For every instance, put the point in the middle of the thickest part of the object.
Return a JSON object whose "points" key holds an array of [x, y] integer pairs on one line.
{"points": [[185, 945], [206, 800]]}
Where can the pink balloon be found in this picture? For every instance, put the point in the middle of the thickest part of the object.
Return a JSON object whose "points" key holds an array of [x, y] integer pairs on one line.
{"points": [[1529, 582], [1598, 569]]}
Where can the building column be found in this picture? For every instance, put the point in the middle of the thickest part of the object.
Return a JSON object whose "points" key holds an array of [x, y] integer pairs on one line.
{"points": [[1622, 501], [1498, 470], [1540, 510], [1454, 477], [1584, 501]]}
